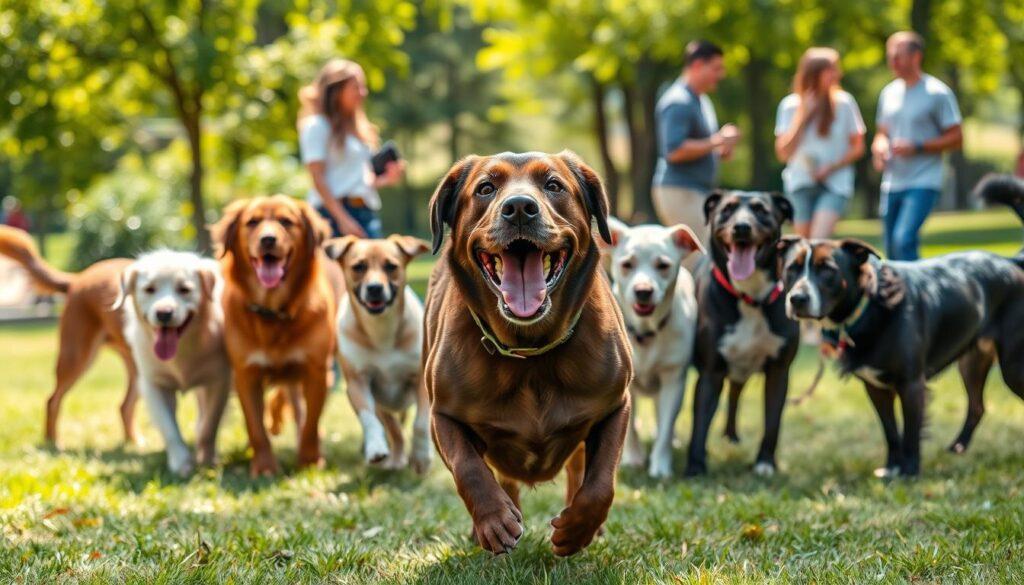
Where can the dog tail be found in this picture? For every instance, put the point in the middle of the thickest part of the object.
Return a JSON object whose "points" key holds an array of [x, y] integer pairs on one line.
{"points": [[19, 246], [1003, 189]]}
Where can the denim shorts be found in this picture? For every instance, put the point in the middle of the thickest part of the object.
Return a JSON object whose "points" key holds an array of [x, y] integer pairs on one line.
{"points": [[809, 200], [367, 219]]}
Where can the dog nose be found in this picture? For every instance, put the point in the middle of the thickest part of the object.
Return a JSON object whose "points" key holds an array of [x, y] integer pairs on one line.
{"points": [[643, 294], [268, 241], [742, 230], [520, 209], [799, 300], [164, 315], [375, 291]]}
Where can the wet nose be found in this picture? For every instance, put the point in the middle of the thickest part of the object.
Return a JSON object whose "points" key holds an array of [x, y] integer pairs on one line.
{"points": [[520, 209], [268, 240], [799, 300], [643, 293], [742, 230], [375, 291], [164, 315]]}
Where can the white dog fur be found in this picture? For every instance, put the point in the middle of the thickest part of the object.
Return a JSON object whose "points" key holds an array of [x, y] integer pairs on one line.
{"points": [[647, 258], [175, 328]]}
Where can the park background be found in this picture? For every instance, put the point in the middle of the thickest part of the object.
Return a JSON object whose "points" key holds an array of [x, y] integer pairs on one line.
{"points": [[128, 124]]}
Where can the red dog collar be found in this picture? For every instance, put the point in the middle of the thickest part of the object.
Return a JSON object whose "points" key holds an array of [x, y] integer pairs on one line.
{"points": [[729, 288]]}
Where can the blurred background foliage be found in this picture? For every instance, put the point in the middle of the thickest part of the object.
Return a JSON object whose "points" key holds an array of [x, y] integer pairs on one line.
{"points": [[163, 110]]}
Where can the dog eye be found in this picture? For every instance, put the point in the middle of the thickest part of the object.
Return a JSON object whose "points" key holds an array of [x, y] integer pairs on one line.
{"points": [[285, 222], [149, 290], [252, 222], [662, 265], [554, 186], [390, 267], [627, 265], [484, 189], [359, 267], [759, 209], [184, 290]]}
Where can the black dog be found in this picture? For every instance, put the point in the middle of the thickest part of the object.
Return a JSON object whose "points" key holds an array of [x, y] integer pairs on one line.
{"points": [[742, 326], [894, 325]]}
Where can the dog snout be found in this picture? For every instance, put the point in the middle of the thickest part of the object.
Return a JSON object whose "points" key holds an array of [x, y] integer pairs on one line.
{"points": [[268, 241], [164, 315], [799, 299], [742, 230], [374, 291], [520, 210], [643, 293]]}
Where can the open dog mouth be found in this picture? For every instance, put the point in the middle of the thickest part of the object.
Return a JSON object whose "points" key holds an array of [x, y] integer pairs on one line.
{"points": [[166, 345], [742, 259], [270, 269], [523, 274], [644, 309]]}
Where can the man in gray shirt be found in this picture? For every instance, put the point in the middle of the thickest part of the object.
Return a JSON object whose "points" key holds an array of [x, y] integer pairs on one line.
{"points": [[690, 141], [918, 119]]}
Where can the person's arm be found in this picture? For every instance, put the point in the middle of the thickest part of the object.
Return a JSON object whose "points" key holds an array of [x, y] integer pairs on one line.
{"points": [[852, 155], [345, 221], [848, 115], [880, 148], [393, 171], [788, 141], [695, 148]]}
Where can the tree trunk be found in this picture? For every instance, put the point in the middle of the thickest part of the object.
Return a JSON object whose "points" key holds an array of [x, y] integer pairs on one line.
{"points": [[957, 160], [453, 114], [195, 142], [611, 174], [759, 105], [640, 102]]}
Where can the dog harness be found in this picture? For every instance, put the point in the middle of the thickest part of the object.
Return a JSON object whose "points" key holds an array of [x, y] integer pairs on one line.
{"points": [[723, 280], [268, 313], [492, 345], [839, 338]]}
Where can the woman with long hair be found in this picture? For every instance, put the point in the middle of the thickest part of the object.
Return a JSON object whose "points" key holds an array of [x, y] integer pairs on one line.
{"points": [[337, 142], [819, 135]]}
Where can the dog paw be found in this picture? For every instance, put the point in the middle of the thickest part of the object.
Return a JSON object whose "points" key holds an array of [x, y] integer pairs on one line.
{"points": [[695, 469], [421, 462], [499, 529], [576, 526], [660, 467], [732, 437], [263, 465], [958, 447], [181, 464], [376, 448], [632, 459], [887, 472], [764, 469]]}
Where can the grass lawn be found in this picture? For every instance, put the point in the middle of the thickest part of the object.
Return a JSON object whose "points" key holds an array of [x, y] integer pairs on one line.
{"points": [[98, 511]]}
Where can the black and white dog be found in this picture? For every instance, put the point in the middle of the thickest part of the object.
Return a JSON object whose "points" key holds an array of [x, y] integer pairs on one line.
{"points": [[894, 325], [742, 327]]}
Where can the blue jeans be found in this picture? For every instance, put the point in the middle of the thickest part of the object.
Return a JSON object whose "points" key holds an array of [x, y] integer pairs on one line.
{"points": [[904, 214], [366, 218]]}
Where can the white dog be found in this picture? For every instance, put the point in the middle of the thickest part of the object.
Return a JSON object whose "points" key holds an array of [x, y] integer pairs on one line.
{"points": [[660, 311], [380, 341], [175, 328]]}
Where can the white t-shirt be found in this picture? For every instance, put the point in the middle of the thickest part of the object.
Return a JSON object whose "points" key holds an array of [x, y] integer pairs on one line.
{"points": [[347, 171], [816, 150]]}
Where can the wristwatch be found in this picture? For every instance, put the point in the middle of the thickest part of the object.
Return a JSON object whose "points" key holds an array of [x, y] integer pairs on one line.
{"points": [[919, 146]]}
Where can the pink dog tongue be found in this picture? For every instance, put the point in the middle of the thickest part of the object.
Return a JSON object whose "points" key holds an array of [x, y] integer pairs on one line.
{"points": [[270, 273], [166, 343], [741, 262], [522, 282]]}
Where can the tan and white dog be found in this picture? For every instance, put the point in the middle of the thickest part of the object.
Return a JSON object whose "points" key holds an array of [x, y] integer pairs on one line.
{"points": [[380, 341], [174, 326], [660, 310]]}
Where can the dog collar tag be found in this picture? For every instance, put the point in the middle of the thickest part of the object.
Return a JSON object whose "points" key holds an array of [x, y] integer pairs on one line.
{"points": [[488, 345]]}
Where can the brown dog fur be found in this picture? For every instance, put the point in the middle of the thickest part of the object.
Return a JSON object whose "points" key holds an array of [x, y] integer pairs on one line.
{"points": [[87, 323], [499, 421], [293, 347]]}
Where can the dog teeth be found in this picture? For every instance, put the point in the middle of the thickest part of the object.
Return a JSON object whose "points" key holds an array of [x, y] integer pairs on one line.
{"points": [[547, 264], [498, 267]]}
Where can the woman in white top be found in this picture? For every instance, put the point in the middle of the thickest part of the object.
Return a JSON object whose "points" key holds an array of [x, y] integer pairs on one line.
{"points": [[337, 143], [819, 134]]}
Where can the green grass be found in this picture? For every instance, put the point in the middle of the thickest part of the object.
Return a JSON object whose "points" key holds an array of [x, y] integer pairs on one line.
{"points": [[100, 512]]}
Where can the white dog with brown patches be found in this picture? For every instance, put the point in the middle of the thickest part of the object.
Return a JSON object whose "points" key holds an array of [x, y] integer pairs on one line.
{"points": [[380, 341], [174, 326], [660, 311]]}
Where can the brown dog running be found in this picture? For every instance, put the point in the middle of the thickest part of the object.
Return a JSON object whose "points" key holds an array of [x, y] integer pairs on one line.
{"points": [[87, 322], [280, 299], [526, 360]]}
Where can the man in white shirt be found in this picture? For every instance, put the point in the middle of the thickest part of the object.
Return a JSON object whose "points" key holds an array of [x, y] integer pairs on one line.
{"points": [[918, 119]]}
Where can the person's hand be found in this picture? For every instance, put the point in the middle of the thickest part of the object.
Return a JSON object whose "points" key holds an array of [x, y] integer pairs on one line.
{"points": [[880, 154], [349, 226], [730, 135], [393, 171], [809, 104], [903, 147], [725, 152], [822, 172]]}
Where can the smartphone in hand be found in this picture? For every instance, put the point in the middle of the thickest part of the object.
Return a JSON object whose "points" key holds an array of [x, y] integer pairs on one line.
{"points": [[387, 153]]}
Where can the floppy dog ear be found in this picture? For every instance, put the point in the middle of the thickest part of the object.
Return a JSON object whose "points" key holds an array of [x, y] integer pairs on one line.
{"points": [[594, 197], [782, 206], [336, 247], [317, 228], [128, 278], [208, 275], [445, 198], [618, 230], [409, 245], [782, 248], [683, 237], [224, 231], [711, 203], [858, 250]]}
